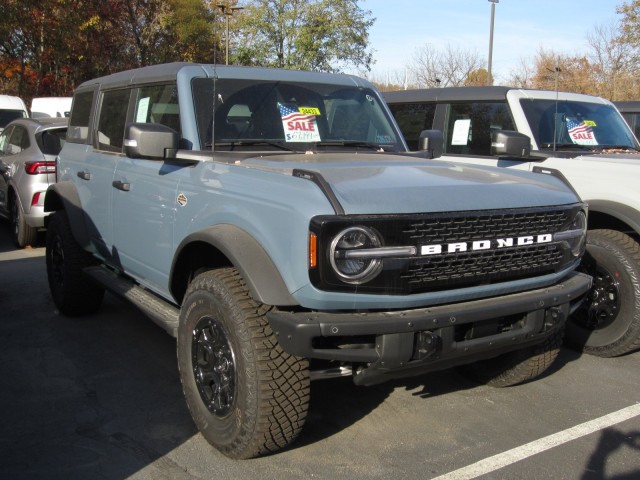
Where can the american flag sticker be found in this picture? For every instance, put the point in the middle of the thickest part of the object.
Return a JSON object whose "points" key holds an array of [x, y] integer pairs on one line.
{"points": [[581, 133], [299, 123]]}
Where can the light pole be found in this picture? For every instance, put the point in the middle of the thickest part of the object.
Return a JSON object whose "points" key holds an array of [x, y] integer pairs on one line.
{"points": [[228, 12], [493, 13]]}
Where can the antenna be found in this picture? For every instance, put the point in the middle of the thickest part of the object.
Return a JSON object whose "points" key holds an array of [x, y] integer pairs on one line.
{"points": [[215, 81], [555, 116]]}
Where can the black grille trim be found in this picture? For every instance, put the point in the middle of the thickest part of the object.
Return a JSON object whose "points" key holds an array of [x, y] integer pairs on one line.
{"points": [[428, 273]]}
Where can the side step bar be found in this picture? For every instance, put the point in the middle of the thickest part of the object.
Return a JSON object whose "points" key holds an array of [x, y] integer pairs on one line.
{"points": [[162, 313]]}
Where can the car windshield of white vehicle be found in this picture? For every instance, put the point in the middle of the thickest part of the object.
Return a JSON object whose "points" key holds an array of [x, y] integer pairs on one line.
{"points": [[7, 116], [577, 126], [291, 116]]}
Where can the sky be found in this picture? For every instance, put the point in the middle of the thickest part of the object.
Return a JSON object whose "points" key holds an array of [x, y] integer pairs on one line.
{"points": [[521, 28]]}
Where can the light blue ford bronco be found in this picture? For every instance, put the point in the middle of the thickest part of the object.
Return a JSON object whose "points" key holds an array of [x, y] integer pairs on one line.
{"points": [[275, 223]]}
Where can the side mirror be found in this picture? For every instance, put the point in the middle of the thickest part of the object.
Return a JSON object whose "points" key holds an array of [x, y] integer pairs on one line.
{"points": [[150, 140], [432, 141], [508, 143]]}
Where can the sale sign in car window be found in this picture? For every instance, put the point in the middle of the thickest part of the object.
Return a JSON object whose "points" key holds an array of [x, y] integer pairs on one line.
{"points": [[581, 133], [299, 123]]}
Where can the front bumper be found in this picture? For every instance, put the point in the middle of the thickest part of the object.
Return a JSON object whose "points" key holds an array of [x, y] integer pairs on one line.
{"points": [[409, 342]]}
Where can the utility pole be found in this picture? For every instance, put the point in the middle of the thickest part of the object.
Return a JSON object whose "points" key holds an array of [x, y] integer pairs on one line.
{"points": [[228, 11], [493, 13]]}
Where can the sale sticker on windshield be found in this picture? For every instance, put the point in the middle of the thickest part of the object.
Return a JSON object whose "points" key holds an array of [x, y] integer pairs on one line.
{"points": [[299, 123], [581, 133]]}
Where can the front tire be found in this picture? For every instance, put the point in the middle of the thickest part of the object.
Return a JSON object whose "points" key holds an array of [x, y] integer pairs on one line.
{"points": [[516, 367], [608, 322], [246, 395], [22, 233], [72, 292]]}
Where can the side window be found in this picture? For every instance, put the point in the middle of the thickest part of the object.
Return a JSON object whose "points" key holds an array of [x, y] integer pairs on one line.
{"points": [[18, 141], [158, 104], [113, 117], [4, 141], [469, 126], [80, 115], [412, 119], [633, 119]]}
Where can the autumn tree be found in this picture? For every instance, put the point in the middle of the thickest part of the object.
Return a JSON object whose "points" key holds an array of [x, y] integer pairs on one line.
{"points": [[319, 35], [478, 78]]}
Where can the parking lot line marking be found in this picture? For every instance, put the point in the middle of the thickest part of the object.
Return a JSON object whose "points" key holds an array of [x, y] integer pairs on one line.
{"points": [[514, 455]]}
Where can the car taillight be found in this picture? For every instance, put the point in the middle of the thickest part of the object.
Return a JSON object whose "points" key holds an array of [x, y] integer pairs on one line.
{"points": [[34, 168]]}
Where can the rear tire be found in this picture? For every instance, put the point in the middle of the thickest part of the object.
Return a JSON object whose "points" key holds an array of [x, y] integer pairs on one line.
{"points": [[72, 292], [22, 233], [516, 367], [608, 322], [246, 395]]}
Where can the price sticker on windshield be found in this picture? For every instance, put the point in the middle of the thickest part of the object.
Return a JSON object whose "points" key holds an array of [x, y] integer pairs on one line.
{"points": [[309, 110]]}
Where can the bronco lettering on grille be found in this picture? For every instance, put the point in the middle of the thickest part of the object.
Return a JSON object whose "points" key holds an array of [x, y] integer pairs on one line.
{"points": [[485, 244]]}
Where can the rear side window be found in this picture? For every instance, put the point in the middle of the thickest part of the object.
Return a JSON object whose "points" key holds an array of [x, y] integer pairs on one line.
{"points": [[412, 119], [51, 141], [80, 115], [113, 117], [469, 126]]}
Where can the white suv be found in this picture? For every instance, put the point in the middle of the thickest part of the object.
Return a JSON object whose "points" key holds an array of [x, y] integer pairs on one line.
{"points": [[579, 137]]}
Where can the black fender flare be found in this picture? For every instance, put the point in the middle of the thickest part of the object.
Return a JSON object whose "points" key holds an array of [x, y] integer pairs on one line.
{"points": [[624, 213], [262, 277], [64, 196]]}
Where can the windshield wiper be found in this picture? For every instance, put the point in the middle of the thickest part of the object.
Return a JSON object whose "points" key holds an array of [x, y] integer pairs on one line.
{"points": [[247, 143], [350, 143], [568, 146]]}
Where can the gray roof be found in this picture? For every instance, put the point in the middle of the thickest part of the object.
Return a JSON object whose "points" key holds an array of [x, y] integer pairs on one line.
{"points": [[170, 71], [447, 94]]}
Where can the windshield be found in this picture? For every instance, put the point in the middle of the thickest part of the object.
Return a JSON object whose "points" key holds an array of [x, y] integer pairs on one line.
{"points": [[292, 116], [580, 125], [7, 116]]}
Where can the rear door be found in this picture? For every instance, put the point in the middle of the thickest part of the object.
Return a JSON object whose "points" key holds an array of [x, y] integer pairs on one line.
{"points": [[92, 166]]}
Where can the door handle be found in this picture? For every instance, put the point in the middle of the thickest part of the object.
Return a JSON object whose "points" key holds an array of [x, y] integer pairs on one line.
{"points": [[125, 187], [84, 175]]}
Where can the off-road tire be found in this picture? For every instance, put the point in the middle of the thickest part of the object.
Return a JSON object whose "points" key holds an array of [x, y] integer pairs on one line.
{"points": [[22, 233], [608, 322], [73, 293], [246, 395], [518, 366]]}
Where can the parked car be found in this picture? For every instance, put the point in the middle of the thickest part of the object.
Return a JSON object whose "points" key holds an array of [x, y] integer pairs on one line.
{"points": [[275, 223], [28, 150], [11, 108], [579, 137]]}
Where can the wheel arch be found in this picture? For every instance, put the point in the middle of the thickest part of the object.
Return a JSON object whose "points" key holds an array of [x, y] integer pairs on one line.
{"points": [[224, 246], [605, 214], [64, 196]]}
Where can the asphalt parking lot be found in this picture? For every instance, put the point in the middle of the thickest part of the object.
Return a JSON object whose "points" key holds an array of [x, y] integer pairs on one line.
{"points": [[99, 398]]}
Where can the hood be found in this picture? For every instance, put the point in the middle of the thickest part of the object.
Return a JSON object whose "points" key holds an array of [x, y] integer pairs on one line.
{"points": [[386, 184]]}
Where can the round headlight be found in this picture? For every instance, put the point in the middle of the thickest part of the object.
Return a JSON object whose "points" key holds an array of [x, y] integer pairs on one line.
{"points": [[577, 243], [349, 257]]}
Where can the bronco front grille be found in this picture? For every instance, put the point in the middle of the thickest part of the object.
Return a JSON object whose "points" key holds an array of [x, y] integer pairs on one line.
{"points": [[425, 273]]}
